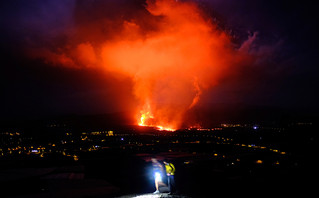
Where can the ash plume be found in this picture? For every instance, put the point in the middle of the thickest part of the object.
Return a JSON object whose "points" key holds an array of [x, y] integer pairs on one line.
{"points": [[171, 50]]}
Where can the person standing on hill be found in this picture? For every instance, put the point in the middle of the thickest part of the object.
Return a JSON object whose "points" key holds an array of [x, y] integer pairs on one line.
{"points": [[170, 172], [158, 170]]}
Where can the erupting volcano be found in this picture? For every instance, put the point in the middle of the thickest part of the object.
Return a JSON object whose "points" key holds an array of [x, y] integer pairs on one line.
{"points": [[173, 53], [172, 64]]}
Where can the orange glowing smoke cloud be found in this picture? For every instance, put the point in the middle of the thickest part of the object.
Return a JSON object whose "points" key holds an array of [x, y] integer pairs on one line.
{"points": [[171, 65]]}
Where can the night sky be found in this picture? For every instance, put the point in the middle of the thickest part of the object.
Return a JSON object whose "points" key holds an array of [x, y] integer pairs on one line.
{"points": [[283, 74]]}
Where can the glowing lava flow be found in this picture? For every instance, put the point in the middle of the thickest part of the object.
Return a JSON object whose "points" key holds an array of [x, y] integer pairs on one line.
{"points": [[144, 118], [147, 116], [161, 128], [147, 119]]}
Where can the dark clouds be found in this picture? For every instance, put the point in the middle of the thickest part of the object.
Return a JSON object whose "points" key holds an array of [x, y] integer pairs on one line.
{"points": [[284, 74]]}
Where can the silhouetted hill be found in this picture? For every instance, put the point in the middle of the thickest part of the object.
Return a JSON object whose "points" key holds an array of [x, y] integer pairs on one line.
{"points": [[214, 114]]}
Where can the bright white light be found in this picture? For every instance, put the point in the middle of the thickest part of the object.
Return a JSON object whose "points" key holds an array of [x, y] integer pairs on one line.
{"points": [[148, 196], [158, 176]]}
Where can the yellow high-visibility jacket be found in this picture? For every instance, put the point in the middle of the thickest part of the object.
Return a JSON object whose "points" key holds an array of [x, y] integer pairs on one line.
{"points": [[170, 168]]}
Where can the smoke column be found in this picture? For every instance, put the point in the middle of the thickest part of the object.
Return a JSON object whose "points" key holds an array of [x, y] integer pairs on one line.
{"points": [[171, 60]]}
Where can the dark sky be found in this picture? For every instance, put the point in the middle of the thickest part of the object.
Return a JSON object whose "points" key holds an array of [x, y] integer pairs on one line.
{"points": [[285, 74]]}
